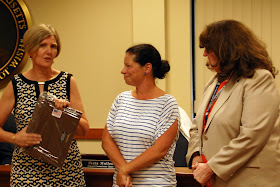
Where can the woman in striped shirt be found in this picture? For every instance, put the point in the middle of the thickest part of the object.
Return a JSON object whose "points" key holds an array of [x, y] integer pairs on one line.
{"points": [[142, 126]]}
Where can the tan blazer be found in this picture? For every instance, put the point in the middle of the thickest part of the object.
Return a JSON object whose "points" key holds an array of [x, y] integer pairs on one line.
{"points": [[241, 140]]}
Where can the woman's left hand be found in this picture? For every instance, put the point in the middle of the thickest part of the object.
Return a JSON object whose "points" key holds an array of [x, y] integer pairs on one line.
{"points": [[203, 173], [61, 103]]}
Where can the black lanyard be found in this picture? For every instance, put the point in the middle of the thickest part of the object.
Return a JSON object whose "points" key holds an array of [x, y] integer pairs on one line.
{"points": [[213, 99]]}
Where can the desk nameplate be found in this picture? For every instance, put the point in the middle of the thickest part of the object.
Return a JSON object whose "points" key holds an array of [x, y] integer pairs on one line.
{"points": [[94, 163]]}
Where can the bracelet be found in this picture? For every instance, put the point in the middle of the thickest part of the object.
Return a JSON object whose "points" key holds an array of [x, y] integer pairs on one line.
{"points": [[13, 138]]}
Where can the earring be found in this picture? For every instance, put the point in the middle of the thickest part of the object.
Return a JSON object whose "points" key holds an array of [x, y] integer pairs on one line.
{"points": [[145, 73]]}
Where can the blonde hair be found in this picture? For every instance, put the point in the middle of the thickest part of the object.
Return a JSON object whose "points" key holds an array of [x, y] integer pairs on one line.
{"points": [[36, 34]]}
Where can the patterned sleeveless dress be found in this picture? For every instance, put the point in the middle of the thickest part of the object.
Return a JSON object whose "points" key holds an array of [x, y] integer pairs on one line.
{"points": [[26, 170]]}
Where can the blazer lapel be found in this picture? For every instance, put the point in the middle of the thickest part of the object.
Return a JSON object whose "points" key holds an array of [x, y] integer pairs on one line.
{"points": [[222, 98], [209, 89]]}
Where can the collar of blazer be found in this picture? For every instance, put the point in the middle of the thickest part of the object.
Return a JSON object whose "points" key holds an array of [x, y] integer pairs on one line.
{"points": [[209, 88]]}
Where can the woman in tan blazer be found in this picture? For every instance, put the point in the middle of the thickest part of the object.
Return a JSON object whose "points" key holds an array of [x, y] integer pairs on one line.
{"points": [[235, 136]]}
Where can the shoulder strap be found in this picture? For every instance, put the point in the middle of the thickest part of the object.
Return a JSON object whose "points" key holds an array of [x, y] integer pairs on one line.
{"points": [[68, 81], [14, 83]]}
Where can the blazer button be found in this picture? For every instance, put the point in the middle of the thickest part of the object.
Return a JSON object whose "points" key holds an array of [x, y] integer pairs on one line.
{"points": [[205, 137]]}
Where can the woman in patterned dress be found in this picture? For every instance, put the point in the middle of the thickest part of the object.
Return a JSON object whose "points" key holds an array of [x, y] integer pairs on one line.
{"points": [[142, 126], [43, 45]]}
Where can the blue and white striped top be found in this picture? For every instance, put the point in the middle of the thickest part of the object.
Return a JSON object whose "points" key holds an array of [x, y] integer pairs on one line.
{"points": [[135, 125]]}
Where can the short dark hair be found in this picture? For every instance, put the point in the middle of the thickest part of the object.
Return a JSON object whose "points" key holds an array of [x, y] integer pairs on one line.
{"points": [[146, 53]]}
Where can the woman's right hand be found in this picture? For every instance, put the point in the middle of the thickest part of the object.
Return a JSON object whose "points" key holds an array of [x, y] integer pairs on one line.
{"points": [[24, 139], [129, 181], [124, 180], [196, 159]]}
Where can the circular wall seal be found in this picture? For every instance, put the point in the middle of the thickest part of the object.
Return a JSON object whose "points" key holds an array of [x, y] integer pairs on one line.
{"points": [[15, 20]]}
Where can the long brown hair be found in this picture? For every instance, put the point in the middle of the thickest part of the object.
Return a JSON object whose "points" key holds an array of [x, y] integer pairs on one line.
{"points": [[237, 48]]}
